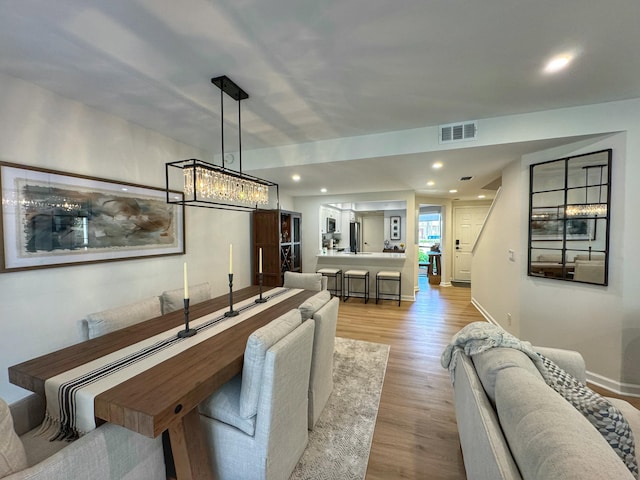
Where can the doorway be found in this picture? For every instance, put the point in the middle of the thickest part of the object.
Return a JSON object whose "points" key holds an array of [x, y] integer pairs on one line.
{"points": [[467, 223], [429, 239], [372, 233]]}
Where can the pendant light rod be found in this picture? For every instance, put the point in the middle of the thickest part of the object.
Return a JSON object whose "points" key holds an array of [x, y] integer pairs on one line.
{"points": [[228, 86]]}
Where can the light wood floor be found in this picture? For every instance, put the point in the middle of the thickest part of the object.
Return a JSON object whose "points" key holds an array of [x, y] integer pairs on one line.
{"points": [[416, 435]]}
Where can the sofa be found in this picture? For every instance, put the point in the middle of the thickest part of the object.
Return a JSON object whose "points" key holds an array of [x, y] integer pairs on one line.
{"points": [[513, 426], [109, 452]]}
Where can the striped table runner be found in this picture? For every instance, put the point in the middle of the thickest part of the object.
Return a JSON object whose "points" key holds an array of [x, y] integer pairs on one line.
{"points": [[70, 395]]}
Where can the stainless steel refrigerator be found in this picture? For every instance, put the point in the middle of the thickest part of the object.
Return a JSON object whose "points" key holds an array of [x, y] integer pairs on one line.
{"points": [[354, 236]]}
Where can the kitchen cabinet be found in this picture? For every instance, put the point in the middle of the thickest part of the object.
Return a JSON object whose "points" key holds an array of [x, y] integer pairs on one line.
{"points": [[279, 234]]}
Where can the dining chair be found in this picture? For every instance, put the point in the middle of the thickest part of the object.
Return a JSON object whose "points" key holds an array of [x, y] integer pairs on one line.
{"points": [[321, 375], [173, 300], [589, 271], [256, 424], [308, 281], [106, 453], [100, 323]]}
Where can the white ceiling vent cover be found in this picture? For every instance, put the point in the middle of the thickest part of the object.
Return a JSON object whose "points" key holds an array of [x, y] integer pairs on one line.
{"points": [[458, 132]]}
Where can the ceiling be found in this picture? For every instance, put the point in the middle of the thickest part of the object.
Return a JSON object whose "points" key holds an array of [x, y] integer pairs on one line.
{"points": [[318, 70]]}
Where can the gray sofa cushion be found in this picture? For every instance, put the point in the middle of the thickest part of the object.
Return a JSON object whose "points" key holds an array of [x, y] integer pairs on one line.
{"points": [[107, 321], [313, 304], [548, 438], [486, 454], [570, 361], [254, 355], [12, 455], [490, 362]]}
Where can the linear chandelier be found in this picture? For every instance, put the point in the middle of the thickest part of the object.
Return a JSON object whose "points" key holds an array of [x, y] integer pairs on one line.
{"points": [[589, 209], [204, 184]]}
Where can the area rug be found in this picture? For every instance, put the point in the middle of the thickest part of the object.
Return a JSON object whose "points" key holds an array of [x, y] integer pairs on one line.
{"points": [[340, 442]]}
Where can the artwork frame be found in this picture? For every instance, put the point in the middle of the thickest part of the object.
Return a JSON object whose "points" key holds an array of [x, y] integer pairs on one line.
{"points": [[547, 225], [50, 219], [395, 232]]}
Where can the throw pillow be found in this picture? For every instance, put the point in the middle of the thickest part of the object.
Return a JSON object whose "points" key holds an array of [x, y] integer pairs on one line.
{"points": [[12, 455]]}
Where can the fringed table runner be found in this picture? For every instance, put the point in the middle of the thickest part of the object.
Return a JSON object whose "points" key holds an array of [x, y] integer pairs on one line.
{"points": [[70, 395]]}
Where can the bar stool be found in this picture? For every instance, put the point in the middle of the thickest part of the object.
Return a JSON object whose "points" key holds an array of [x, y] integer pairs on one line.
{"points": [[336, 274], [388, 276], [356, 275]]}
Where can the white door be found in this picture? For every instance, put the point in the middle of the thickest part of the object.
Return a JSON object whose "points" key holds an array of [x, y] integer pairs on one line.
{"points": [[372, 233], [468, 222]]}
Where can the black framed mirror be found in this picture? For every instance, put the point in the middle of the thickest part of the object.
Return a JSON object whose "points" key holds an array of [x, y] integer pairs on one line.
{"points": [[569, 205]]}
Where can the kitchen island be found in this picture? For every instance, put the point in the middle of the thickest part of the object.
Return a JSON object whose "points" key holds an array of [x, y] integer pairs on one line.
{"points": [[373, 262]]}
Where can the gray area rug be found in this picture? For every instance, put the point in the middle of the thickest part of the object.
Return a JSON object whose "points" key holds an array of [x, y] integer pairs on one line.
{"points": [[340, 442]]}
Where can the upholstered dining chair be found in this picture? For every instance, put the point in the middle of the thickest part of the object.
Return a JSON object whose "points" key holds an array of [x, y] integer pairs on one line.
{"points": [[100, 323], [321, 375], [172, 300], [589, 271], [256, 424], [308, 281], [106, 453]]}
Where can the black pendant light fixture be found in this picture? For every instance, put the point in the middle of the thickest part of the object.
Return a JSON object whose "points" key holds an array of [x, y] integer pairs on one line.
{"points": [[204, 184]]}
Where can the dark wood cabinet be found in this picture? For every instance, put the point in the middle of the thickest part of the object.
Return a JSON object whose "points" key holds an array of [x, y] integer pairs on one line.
{"points": [[279, 234]]}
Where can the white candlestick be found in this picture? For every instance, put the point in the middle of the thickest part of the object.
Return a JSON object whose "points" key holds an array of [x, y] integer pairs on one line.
{"points": [[260, 261], [230, 258], [186, 282]]}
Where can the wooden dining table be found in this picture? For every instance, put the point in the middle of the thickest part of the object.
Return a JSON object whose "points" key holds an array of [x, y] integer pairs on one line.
{"points": [[166, 396]]}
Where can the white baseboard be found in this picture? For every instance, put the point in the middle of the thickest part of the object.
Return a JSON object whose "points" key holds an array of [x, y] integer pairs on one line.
{"points": [[629, 389], [483, 312], [445, 284]]}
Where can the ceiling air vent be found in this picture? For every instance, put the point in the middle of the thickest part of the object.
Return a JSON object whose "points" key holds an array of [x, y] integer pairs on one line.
{"points": [[458, 132], [465, 179]]}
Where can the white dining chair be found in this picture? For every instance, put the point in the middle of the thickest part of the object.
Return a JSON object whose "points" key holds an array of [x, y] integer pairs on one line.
{"points": [[256, 424], [308, 281]]}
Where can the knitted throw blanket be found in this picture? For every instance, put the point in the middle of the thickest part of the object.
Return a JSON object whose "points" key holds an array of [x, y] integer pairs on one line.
{"points": [[478, 337]]}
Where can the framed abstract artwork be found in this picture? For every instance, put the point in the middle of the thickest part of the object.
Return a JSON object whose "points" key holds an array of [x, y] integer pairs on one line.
{"points": [[53, 219], [395, 233]]}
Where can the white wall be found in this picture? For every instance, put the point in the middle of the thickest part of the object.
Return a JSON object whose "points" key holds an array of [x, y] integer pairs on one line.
{"points": [[39, 309], [406, 236], [603, 323], [587, 318]]}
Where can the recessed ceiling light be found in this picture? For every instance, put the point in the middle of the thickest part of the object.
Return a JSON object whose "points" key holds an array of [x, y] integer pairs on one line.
{"points": [[430, 183], [453, 191], [481, 196], [558, 63], [295, 178], [323, 190], [437, 165]]}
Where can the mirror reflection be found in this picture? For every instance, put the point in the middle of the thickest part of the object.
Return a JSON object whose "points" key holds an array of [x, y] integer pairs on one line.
{"points": [[569, 218]]}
